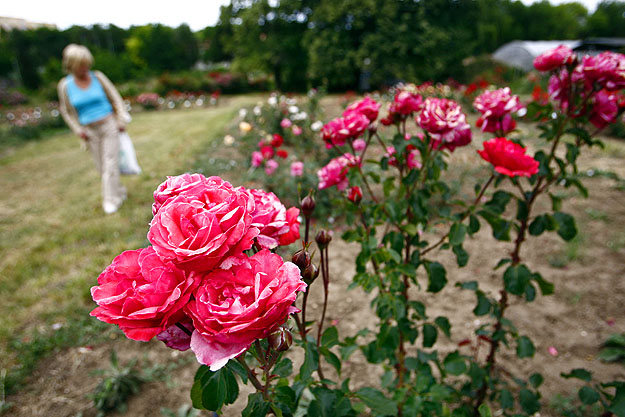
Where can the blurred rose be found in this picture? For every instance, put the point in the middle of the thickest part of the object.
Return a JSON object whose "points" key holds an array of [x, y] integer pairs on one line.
{"points": [[297, 169], [555, 58], [271, 166], [297, 130], [367, 107], [286, 123], [245, 127], [335, 173]]}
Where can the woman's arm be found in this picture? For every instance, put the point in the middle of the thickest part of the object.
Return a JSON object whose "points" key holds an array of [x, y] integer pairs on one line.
{"points": [[115, 98], [67, 111]]}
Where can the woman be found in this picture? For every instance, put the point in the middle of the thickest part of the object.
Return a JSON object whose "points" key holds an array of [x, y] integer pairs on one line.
{"points": [[94, 110]]}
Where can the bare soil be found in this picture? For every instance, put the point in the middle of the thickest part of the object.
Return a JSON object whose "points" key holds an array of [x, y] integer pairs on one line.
{"points": [[588, 305]]}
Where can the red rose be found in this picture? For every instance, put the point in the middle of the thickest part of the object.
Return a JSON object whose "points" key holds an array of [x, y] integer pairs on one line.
{"points": [[355, 194], [282, 153], [266, 152], [236, 306], [293, 234], [142, 294], [277, 141], [199, 232], [508, 158]]}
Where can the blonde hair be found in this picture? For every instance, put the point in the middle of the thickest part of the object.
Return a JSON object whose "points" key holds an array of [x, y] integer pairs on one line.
{"points": [[74, 56]]}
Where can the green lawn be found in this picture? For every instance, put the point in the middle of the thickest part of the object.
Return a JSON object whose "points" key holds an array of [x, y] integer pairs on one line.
{"points": [[54, 237]]}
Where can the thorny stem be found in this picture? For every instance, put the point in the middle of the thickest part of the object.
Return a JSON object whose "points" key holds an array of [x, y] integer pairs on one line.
{"points": [[516, 259], [326, 281], [475, 203], [252, 376]]}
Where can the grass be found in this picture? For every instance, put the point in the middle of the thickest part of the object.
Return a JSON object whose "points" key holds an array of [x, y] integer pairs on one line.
{"points": [[54, 237]]}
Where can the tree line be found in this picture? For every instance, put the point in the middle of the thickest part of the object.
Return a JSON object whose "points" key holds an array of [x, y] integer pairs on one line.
{"points": [[302, 43]]}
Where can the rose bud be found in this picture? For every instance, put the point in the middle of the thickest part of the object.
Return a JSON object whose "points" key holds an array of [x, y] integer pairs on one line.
{"points": [[280, 340], [323, 239], [373, 128], [301, 258], [308, 205], [355, 194], [310, 273]]}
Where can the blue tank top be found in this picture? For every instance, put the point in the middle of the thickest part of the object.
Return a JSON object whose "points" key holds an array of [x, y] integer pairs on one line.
{"points": [[91, 104]]}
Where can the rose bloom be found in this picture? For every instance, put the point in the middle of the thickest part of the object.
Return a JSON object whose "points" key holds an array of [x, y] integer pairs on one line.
{"points": [[558, 88], [339, 130], [359, 145], [604, 110], [190, 184], [257, 159], [444, 120], [245, 127], [296, 130], [199, 230], [555, 58], [285, 123], [271, 166], [240, 304], [607, 68], [335, 173], [281, 153], [367, 107], [142, 294], [266, 151], [297, 169], [269, 216], [495, 106], [411, 157], [277, 140], [406, 103], [293, 221], [508, 158], [354, 194]]}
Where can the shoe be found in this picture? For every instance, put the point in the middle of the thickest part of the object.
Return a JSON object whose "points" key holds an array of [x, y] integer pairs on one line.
{"points": [[109, 208]]}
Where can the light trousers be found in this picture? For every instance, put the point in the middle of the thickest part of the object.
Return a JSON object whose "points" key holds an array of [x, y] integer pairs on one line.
{"points": [[103, 143]]}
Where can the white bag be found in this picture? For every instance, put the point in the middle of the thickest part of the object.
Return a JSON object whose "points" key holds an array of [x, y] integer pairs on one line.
{"points": [[127, 158]]}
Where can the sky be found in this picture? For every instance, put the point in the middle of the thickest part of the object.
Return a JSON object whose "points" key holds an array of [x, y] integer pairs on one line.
{"points": [[123, 13]]}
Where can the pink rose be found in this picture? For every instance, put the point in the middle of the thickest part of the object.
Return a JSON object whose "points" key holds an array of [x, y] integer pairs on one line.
{"points": [[297, 169], [359, 145], [285, 123], [194, 185], [555, 58], [339, 130], [558, 88], [411, 157], [495, 106], [406, 103], [293, 234], [444, 120], [271, 166], [604, 110], [269, 216], [367, 107], [198, 232], [335, 173], [296, 130], [234, 307], [607, 68], [257, 159], [142, 294]]}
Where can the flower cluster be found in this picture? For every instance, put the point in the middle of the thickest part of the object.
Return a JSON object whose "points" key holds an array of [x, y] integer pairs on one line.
{"points": [[195, 287], [352, 124], [586, 85], [267, 153], [148, 101], [496, 107]]}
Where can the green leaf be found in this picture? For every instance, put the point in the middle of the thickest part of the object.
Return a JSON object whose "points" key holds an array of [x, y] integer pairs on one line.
{"points": [[538, 225], [430, 334], [506, 399], [474, 224], [566, 225], [525, 348], [484, 411], [529, 401], [462, 256], [454, 364], [611, 354], [444, 325], [457, 233], [237, 368], [546, 287], [499, 201], [500, 227], [377, 402], [331, 358], [522, 210], [284, 368], [588, 395], [469, 285], [579, 373], [617, 405], [483, 305], [311, 361], [437, 276], [330, 337], [516, 278], [256, 406], [536, 380]]}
